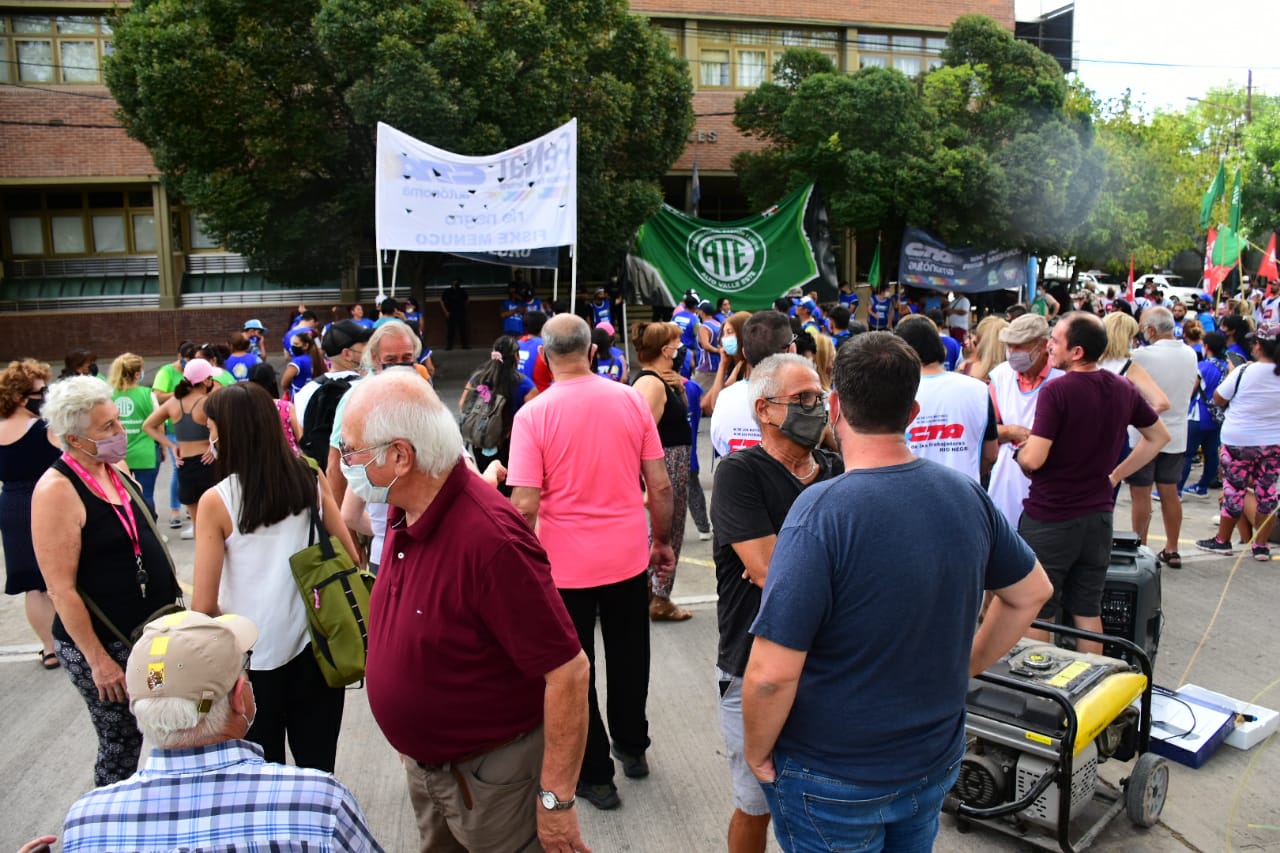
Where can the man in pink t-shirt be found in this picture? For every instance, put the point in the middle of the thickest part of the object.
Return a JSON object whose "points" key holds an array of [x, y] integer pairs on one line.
{"points": [[579, 451]]}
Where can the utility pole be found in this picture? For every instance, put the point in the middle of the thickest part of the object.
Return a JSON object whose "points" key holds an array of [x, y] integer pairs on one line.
{"points": [[1248, 98]]}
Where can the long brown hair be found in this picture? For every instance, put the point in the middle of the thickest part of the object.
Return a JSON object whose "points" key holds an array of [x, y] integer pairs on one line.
{"points": [[274, 484]]}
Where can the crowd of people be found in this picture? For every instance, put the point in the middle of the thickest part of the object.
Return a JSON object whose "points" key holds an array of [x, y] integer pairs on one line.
{"points": [[552, 500]]}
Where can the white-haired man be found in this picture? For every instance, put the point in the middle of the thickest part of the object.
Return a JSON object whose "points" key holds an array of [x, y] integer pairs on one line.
{"points": [[190, 692], [475, 674]]}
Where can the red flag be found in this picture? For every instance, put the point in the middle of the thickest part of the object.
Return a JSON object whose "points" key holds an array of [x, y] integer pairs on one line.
{"points": [[1211, 279], [1267, 269], [1129, 296]]}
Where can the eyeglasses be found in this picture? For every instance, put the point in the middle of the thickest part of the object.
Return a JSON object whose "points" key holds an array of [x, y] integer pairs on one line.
{"points": [[394, 362], [346, 452], [248, 656], [794, 338], [806, 399]]}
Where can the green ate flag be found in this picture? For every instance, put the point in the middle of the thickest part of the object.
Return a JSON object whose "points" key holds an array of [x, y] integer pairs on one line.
{"points": [[1226, 249], [1235, 202], [751, 261], [1215, 192], [873, 274]]}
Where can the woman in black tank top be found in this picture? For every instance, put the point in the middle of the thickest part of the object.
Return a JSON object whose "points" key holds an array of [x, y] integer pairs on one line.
{"points": [[663, 389]]}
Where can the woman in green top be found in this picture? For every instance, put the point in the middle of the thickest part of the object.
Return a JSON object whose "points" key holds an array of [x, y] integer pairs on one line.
{"points": [[135, 403]]}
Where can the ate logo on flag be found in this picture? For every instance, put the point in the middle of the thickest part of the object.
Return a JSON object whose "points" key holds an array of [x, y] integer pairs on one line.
{"points": [[729, 260]]}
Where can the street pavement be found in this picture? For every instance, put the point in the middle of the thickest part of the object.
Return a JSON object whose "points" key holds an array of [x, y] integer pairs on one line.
{"points": [[1219, 633]]}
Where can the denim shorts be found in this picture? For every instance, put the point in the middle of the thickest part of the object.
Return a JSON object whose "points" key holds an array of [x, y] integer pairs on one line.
{"points": [[816, 813], [747, 796]]}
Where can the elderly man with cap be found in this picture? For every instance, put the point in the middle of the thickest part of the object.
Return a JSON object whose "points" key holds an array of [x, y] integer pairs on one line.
{"points": [[1015, 386], [205, 787]]}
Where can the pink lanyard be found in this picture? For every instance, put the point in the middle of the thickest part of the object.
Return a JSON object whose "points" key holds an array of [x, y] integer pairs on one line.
{"points": [[124, 512]]}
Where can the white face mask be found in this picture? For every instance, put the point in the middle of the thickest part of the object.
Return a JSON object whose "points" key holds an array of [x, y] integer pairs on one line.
{"points": [[358, 481]]}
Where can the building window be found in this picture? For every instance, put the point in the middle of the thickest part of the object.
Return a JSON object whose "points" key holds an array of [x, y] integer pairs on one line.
{"points": [[68, 235], [910, 54], [26, 235], [200, 239], [74, 222], [144, 232], [53, 48], [714, 67], [742, 57]]}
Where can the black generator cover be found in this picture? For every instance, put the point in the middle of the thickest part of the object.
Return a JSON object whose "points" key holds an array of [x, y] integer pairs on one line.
{"points": [[1131, 598]]}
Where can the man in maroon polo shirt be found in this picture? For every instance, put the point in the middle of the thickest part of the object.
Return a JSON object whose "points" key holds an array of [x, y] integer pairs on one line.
{"points": [[475, 672]]}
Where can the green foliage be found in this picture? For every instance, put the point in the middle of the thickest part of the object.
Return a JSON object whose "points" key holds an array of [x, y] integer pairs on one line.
{"points": [[1261, 197], [988, 149], [261, 115]]}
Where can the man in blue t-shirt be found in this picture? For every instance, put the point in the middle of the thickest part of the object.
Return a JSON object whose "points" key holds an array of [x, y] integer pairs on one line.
{"points": [[849, 298], [864, 644], [529, 343], [687, 320], [878, 311], [512, 312]]}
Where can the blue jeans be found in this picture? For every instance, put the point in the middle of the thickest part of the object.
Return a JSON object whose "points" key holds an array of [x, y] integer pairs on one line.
{"points": [[146, 478], [1199, 435], [814, 813]]}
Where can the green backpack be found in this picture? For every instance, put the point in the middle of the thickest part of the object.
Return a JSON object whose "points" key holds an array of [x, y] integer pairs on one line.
{"points": [[335, 596]]}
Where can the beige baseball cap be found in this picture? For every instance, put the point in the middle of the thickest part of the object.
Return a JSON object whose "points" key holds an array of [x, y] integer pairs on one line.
{"points": [[189, 655], [1025, 329]]}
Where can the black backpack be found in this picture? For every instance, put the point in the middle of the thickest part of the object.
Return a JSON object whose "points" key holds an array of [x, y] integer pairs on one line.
{"points": [[482, 422], [317, 421]]}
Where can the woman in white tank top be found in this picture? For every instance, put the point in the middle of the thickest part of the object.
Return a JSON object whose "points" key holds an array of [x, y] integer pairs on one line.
{"points": [[250, 523]]}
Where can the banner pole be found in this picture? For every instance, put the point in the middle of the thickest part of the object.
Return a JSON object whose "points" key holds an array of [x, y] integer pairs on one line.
{"points": [[378, 258], [555, 284], [573, 279], [395, 271], [626, 343]]}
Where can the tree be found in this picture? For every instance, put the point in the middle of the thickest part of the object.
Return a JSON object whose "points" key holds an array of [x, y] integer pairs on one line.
{"points": [[986, 150], [261, 115]]}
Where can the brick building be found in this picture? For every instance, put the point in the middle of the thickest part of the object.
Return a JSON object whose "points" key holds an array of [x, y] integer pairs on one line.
{"points": [[91, 245]]}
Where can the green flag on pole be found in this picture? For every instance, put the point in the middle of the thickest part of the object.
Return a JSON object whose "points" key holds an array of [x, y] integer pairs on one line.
{"points": [[1226, 249], [752, 261], [873, 274], [1235, 203], [1216, 189]]}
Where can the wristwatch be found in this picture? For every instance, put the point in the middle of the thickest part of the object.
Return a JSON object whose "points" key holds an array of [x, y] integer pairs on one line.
{"points": [[552, 803]]}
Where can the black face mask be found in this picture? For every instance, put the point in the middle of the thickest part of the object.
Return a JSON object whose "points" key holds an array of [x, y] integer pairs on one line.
{"points": [[34, 404], [804, 426], [298, 350]]}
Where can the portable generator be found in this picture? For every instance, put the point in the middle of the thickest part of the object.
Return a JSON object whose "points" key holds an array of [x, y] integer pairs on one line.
{"points": [[1039, 722]]}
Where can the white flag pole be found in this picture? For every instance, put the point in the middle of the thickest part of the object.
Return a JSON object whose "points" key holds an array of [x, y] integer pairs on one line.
{"points": [[377, 257], [626, 345], [573, 283], [395, 269], [555, 284]]}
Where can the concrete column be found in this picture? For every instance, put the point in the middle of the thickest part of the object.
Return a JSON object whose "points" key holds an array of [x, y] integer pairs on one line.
{"points": [[169, 270]]}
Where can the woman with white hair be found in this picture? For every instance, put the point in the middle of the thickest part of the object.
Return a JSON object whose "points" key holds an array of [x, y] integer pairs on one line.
{"points": [[105, 566]]}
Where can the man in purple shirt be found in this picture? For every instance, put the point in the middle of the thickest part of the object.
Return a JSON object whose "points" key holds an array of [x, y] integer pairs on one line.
{"points": [[1069, 456]]}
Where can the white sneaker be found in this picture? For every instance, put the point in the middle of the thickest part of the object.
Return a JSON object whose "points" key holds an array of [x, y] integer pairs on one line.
{"points": [[704, 536], [189, 532]]}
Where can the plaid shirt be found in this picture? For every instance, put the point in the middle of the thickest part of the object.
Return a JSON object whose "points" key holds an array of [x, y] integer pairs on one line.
{"points": [[218, 797]]}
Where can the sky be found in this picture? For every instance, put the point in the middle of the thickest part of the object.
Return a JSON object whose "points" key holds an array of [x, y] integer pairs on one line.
{"points": [[1168, 50]]}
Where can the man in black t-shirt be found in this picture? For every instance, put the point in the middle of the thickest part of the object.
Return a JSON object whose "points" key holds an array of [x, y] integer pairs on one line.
{"points": [[754, 489]]}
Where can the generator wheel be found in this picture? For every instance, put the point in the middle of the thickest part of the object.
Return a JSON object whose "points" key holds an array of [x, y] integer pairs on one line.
{"points": [[1146, 788]]}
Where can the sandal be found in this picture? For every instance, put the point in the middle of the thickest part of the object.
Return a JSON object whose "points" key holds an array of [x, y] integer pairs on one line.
{"points": [[49, 660], [665, 610], [1172, 559]]}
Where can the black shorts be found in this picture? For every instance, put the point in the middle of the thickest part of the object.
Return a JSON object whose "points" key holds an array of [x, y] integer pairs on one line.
{"points": [[1076, 555], [194, 479], [1165, 469]]}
